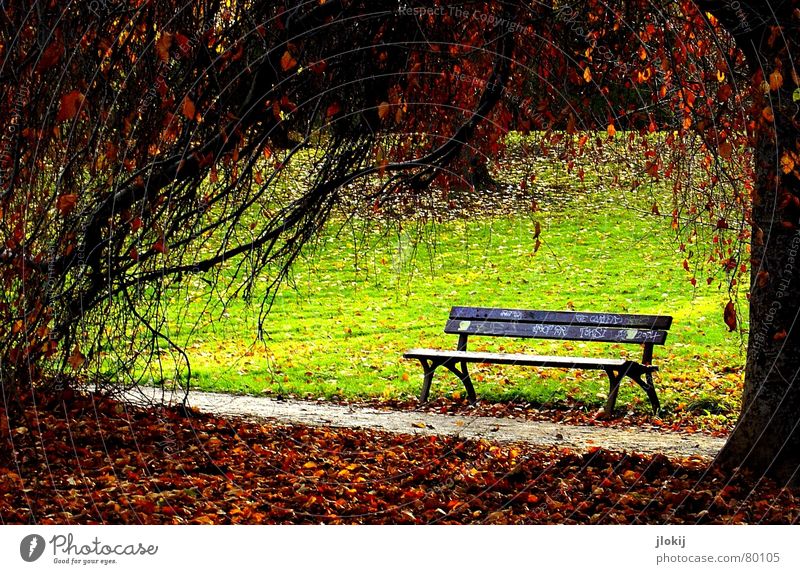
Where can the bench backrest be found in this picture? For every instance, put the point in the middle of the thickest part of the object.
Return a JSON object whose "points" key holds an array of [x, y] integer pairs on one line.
{"points": [[567, 325]]}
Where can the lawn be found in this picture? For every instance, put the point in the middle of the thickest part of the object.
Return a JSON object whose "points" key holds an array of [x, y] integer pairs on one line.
{"points": [[364, 293]]}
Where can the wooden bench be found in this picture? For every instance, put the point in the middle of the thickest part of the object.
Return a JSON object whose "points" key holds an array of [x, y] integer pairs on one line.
{"points": [[645, 330]]}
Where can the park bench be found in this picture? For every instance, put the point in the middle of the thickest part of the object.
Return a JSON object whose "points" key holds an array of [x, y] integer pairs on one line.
{"points": [[645, 330]]}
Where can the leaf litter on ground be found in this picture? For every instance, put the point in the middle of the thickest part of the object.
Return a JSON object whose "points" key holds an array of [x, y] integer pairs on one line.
{"points": [[90, 459]]}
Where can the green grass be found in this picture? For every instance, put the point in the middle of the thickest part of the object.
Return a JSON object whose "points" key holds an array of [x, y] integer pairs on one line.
{"points": [[358, 300]]}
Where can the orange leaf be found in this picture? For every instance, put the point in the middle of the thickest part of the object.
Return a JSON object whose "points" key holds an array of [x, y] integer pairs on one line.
{"points": [[287, 61], [163, 45], [587, 74], [70, 104], [383, 110], [787, 163], [775, 81], [725, 150], [571, 125], [66, 203], [76, 359], [767, 114], [188, 108], [730, 316], [612, 131]]}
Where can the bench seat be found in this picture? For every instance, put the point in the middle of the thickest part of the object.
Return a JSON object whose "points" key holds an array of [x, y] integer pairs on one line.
{"points": [[516, 359]]}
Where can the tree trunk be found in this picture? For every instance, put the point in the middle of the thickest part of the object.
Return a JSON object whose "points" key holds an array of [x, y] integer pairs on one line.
{"points": [[766, 439]]}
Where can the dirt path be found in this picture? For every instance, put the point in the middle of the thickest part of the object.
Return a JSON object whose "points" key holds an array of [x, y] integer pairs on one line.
{"points": [[545, 434]]}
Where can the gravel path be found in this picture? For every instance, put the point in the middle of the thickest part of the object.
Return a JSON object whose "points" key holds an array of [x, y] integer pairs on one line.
{"points": [[545, 434]]}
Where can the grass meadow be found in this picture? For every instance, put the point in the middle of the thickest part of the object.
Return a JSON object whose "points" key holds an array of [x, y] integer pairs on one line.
{"points": [[365, 292]]}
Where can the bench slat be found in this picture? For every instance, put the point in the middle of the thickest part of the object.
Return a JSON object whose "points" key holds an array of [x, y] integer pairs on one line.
{"points": [[577, 319], [516, 359], [550, 331]]}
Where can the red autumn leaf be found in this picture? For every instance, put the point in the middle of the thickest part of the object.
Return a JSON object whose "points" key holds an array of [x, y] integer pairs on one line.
{"points": [[160, 246], [235, 55], [319, 67], [52, 54], [66, 203], [183, 43], [134, 253], [725, 150], [70, 104], [287, 61], [333, 109], [730, 316], [383, 110]]}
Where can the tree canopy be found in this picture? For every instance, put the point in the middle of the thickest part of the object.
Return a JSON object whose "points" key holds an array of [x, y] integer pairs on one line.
{"points": [[147, 141]]}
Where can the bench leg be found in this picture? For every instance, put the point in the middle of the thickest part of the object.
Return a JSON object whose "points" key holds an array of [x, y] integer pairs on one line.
{"points": [[649, 388], [464, 377], [614, 380], [428, 368]]}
